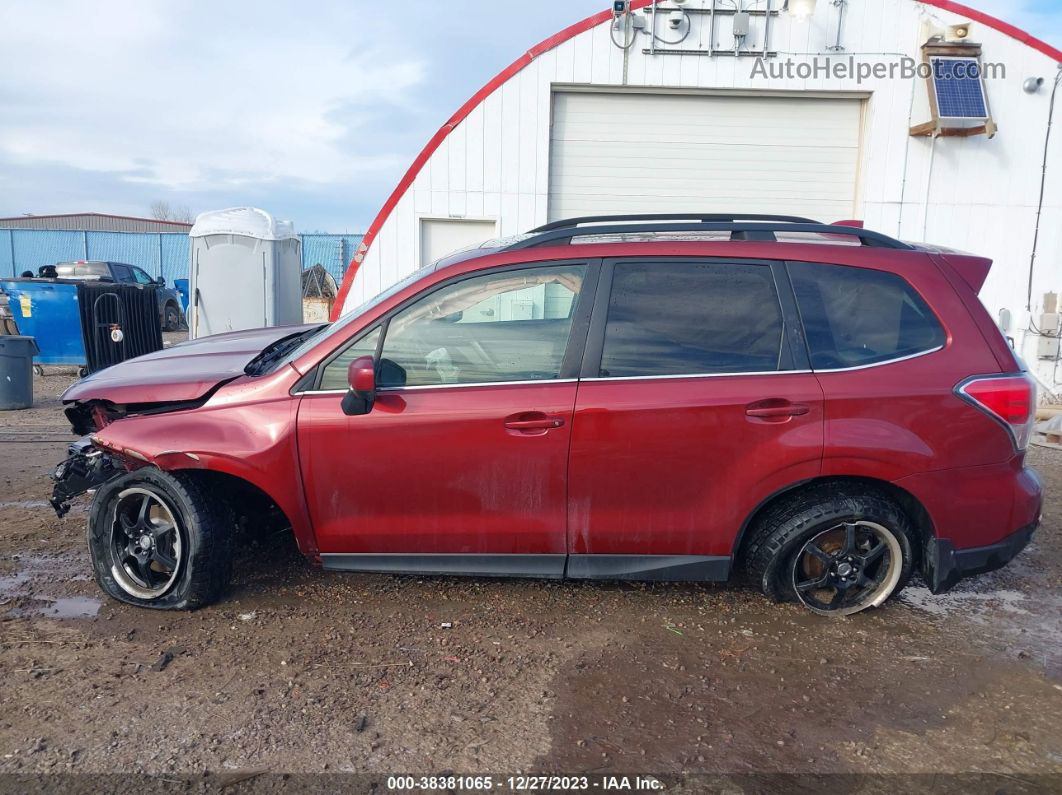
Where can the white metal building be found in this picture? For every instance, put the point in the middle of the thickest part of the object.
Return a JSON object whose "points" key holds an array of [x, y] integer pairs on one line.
{"points": [[605, 117]]}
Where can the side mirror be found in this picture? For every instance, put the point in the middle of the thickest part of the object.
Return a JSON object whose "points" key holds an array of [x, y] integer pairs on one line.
{"points": [[161, 282], [361, 375]]}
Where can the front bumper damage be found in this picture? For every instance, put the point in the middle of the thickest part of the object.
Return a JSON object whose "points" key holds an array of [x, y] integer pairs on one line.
{"points": [[86, 468]]}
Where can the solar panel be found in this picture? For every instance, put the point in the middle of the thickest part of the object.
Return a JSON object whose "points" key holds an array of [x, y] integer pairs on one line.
{"points": [[960, 92]]}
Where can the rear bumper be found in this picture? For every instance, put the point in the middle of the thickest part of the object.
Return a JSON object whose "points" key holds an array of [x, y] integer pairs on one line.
{"points": [[981, 517], [945, 565]]}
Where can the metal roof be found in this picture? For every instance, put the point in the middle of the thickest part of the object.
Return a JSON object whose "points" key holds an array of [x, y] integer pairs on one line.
{"points": [[92, 222]]}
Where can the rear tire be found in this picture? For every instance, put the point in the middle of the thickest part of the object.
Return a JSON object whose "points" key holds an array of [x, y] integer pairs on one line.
{"points": [[158, 540], [836, 553], [171, 318]]}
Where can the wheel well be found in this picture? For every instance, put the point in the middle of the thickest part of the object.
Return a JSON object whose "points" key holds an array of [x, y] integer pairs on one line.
{"points": [[912, 507], [255, 510]]}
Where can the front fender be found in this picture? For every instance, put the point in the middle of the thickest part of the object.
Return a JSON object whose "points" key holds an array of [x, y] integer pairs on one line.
{"points": [[252, 441]]}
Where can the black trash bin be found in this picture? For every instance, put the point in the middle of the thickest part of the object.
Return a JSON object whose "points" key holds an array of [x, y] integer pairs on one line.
{"points": [[16, 371]]}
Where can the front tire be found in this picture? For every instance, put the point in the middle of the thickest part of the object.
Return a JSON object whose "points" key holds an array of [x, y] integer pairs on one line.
{"points": [[158, 540], [836, 553]]}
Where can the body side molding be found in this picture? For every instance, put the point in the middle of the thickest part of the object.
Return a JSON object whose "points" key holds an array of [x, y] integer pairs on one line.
{"points": [[660, 568], [546, 566]]}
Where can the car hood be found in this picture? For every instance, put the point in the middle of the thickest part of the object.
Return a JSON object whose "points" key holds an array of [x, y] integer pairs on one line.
{"points": [[185, 371]]}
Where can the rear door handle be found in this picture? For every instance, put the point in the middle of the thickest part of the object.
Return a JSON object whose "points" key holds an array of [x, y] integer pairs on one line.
{"points": [[775, 409], [532, 421]]}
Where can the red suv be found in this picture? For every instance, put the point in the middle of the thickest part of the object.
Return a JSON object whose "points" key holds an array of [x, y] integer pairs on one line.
{"points": [[821, 407]]}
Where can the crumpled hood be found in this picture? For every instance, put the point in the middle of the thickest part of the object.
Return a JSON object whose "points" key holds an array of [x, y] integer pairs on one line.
{"points": [[186, 371]]}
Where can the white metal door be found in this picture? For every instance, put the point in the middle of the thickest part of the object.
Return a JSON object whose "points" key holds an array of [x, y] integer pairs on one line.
{"points": [[231, 285], [442, 236], [621, 153]]}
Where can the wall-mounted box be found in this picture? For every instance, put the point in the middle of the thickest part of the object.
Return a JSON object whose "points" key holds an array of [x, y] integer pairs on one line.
{"points": [[1047, 348]]}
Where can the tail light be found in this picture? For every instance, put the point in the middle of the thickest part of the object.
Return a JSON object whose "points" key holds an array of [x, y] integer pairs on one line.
{"points": [[1008, 399]]}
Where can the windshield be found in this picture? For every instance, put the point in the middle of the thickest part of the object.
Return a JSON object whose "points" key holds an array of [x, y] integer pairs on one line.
{"points": [[291, 348]]}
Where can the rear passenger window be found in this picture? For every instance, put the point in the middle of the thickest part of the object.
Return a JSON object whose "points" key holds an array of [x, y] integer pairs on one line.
{"points": [[857, 316], [691, 318]]}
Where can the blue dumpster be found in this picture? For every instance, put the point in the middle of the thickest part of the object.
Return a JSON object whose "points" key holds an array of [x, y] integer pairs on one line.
{"points": [[49, 312]]}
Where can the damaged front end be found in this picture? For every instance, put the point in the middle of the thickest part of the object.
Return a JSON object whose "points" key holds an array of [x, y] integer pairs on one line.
{"points": [[87, 467]]}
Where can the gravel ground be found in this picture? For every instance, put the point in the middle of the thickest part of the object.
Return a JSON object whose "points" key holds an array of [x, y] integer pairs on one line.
{"points": [[301, 670]]}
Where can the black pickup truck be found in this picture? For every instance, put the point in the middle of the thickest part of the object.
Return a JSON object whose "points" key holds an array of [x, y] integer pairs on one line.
{"points": [[170, 314]]}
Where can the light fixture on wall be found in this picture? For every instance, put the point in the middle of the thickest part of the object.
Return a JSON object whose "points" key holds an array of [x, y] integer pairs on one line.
{"points": [[840, 5], [1032, 84], [800, 8]]}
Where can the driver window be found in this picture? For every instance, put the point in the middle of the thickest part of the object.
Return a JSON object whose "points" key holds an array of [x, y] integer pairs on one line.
{"points": [[141, 277], [506, 326]]}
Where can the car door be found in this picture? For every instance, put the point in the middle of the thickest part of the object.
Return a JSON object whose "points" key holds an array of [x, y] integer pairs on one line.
{"points": [[460, 466], [696, 403]]}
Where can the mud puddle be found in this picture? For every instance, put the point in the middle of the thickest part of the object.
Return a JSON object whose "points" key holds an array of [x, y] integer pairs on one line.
{"points": [[31, 589], [1017, 611], [59, 607]]}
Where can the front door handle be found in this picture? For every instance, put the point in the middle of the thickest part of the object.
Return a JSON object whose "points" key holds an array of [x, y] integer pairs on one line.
{"points": [[775, 409], [778, 411], [533, 422]]}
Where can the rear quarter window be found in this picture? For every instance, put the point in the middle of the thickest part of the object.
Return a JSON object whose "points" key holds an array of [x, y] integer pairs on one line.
{"points": [[857, 316]]}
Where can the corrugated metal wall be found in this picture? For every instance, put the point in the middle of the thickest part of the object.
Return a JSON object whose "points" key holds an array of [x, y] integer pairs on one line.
{"points": [[165, 255]]}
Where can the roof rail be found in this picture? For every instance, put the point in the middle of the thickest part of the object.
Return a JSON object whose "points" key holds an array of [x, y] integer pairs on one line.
{"points": [[765, 231], [703, 217]]}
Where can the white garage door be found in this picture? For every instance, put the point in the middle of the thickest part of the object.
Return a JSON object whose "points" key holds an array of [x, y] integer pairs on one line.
{"points": [[442, 236], [622, 153]]}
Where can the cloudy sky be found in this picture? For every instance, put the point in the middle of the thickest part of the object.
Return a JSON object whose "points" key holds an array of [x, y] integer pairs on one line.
{"points": [[312, 110]]}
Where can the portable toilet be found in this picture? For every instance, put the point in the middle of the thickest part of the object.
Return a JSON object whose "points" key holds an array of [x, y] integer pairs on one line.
{"points": [[246, 272]]}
